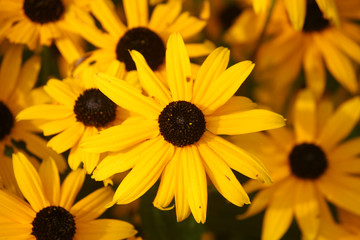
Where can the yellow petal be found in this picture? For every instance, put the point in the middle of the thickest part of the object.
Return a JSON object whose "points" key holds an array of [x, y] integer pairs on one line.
{"points": [[93, 205], [296, 12], [178, 69], [164, 15], [237, 158], [341, 190], [127, 96], [279, 214], [199, 49], [145, 173], [105, 12], [58, 125], [340, 123], [46, 112], [15, 209], [181, 195], [37, 145], [49, 176], [307, 210], [222, 177], [213, 66], [149, 80], [244, 122], [104, 229], [315, 75], [338, 64], [345, 150], [71, 187], [121, 161], [29, 74], [120, 137], [235, 104], [16, 231], [224, 86], [29, 182], [188, 26], [165, 193], [9, 71], [259, 203], [305, 117], [67, 139], [136, 13], [61, 92], [68, 49], [195, 183], [330, 10]]}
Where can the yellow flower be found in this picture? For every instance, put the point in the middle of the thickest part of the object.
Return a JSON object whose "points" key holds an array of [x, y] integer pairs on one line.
{"points": [[319, 46], [176, 132], [350, 221], [78, 110], [16, 82], [308, 165], [36, 23], [50, 212], [141, 34], [297, 10]]}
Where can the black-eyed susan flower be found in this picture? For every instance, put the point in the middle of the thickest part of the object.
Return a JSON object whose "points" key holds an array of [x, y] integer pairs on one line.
{"points": [[148, 36], [50, 212], [175, 135], [309, 164], [297, 10], [319, 46], [37, 23], [79, 109], [16, 83]]}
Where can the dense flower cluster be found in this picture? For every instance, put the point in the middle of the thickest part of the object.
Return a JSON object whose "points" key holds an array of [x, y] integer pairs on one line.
{"points": [[141, 102]]}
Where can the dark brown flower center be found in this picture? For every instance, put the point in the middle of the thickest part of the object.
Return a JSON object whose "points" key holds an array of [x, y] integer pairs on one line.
{"points": [[53, 223], [181, 123], [307, 161], [93, 108], [145, 41], [43, 11], [6, 120], [314, 20]]}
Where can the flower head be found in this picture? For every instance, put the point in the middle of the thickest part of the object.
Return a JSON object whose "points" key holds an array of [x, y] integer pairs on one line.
{"points": [[175, 134], [78, 110], [147, 36], [50, 212], [311, 158]]}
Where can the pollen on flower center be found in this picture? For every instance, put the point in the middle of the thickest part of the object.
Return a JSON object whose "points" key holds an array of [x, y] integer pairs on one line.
{"points": [[307, 161], [43, 11], [314, 20], [6, 120], [145, 41], [53, 223], [93, 108], [181, 123]]}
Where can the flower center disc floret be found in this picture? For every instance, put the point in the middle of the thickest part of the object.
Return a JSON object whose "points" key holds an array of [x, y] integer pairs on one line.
{"points": [[145, 41], [181, 123], [93, 108], [307, 161], [6, 120], [43, 11], [314, 20], [54, 223]]}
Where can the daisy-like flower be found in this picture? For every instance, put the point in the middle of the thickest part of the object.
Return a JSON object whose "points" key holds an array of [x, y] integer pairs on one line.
{"points": [[309, 165], [50, 212], [297, 10], [16, 83], [176, 133], [78, 110], [36, 23], [319, 46], [141, 34]]}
